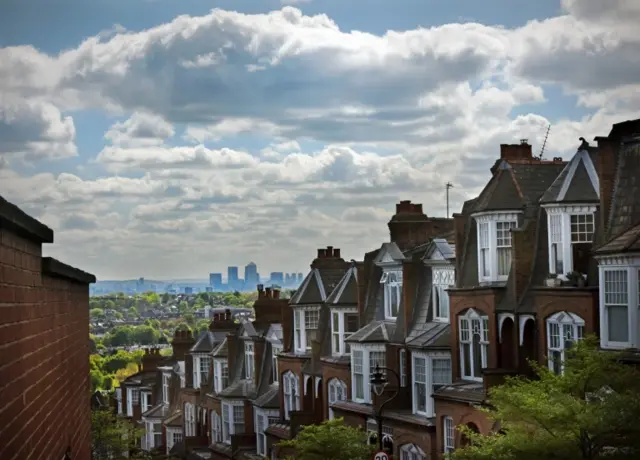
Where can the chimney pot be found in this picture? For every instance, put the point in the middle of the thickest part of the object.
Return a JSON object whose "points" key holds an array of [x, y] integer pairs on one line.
{"points": [[276, 293], [321, 253], [267, 292], [329, 251], [336, 253]]}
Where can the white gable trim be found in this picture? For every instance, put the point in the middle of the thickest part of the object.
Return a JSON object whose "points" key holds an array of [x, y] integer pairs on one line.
{"points": [[522, 320], [323, 294], [582, 156]]}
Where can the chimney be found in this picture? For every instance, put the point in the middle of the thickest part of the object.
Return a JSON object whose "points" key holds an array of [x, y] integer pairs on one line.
{"points": [[321, 253], [276, 293], [329, 252], [336, 253], [410, 227], [267, 293], [181, 343], [328, 257], [260, 291], [515, 152]]}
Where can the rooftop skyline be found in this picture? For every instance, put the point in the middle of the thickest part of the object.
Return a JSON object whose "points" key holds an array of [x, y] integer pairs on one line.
{"points": [[161, 137]]}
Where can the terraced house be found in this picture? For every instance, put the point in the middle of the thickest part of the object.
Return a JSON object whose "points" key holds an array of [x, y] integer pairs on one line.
{"points": [[548, 252]]}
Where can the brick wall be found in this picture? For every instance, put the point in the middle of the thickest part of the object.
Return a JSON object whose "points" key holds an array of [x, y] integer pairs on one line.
{"points": [[44, 346]]}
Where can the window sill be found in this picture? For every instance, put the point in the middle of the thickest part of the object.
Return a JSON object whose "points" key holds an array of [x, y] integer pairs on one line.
{"points": [[471, 379], [615, 345], [441, 320]]}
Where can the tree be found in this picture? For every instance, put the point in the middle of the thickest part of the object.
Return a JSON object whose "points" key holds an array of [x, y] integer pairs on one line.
{"points": [[589, 412], [97, 313], [331, 440], [113, 437]]}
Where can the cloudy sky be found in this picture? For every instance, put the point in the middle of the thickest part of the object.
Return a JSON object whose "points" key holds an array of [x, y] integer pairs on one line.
{"points": [[169, 139]]}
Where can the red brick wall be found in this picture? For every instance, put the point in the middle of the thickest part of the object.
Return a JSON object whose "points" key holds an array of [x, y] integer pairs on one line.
{"points": [[44, 357]]}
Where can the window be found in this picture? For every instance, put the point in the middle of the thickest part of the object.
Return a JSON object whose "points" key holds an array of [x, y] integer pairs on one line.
{"points": [[448, 434], [570, 230], [153, 434], [441, 371], [248, 360], [387, 434], [275, 349], [363, 363], [412, 452], [232, 420], [201, 365], [494, 245], [616, 305], [189, 420], [392, 282], [263, 420], [221, 377], [337, 392], [133, 399], [474, 342], [291, 393], [165, 388], [216, 427], [173, 437], [343, 324], [402, 357], [145, 402], [443, 278], [420, 394], [563, 329], [555, 244], [305, 327], [503, 245], [582, 228]]}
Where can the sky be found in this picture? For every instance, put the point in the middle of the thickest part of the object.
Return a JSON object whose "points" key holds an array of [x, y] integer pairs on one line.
{"points": [[170, 139]]}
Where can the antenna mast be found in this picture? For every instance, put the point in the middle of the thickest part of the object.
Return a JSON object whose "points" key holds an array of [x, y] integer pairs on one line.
{"points": [[448, 185], [546, 136]]}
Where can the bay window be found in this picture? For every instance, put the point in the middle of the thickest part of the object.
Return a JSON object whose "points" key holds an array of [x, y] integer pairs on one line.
{"points": [[619, 302], [305, 326], [291, 392], [337, 392], [563, 329], [430, 371], [474, 343], [232, 420], [443, 279], [221, 375], [494, 244], [216, 427], [364, 359], [570, 231], [263, 419], [248, 360], [392, 284], [201, 366], [343, 324]]}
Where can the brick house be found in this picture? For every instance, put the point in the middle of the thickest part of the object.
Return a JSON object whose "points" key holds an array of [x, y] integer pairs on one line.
{"points": [[45, 390]]}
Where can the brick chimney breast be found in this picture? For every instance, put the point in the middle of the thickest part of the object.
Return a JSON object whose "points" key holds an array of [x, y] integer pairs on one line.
{"points": [[521, 151]]}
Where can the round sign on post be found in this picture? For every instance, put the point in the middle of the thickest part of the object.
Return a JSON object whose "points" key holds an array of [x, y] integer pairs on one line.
{"points": [[381, 456]]}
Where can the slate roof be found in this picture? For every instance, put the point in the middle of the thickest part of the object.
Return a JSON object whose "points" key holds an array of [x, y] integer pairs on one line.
{"points": [[270, 399], [472, 392], [317, 286], [375, 331], [628, 241], [159, 411], [433, 335], [392, 250], [222, 350], [176, 420], [207, 341], [578, 182], [346, 292]]}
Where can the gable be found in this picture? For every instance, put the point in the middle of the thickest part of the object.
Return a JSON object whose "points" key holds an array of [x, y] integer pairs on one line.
{"points": [[389, 254]]}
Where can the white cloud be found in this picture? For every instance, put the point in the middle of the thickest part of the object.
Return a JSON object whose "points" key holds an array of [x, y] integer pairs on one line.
{"points": [[140, 129]]}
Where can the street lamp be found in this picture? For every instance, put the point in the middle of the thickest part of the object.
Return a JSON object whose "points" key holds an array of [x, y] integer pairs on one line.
{"points": [[378, 383]]}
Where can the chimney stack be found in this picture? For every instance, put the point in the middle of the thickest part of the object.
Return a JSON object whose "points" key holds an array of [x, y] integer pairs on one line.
{"points": [[336, 253], [515, 152], [329, 251], [260, 291], [321, 253], [276, 293], [410, 227], [267, 293]]}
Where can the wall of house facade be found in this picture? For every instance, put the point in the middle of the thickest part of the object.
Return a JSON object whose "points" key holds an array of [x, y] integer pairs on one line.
{"points": [[44, 346]]}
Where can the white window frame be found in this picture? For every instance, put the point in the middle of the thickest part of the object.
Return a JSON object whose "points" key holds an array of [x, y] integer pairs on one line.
{"points": [[562, 327], [402, 358], [338, 330], [465, 336], [449, 435], [249, 363], [412, 452], [150, 433], [234, 410], [487, 236], [198, 368], [220, 381], [216, 427], [262, 420], [291, 392], [133, 397], [336, 391], [275, 350], [366, 351], [431, 379], [119, 399], [391, 280], [629, 269], [174, 436], [443, 278], [166, 385], [560, 235], [302, 318], [145, 401], [189, 419]]}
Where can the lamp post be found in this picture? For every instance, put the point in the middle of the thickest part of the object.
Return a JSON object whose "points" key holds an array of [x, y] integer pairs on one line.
{"points": [[379, 383]]}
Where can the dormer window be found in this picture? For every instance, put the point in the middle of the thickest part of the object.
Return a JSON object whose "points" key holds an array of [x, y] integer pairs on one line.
{"points": [[221, 375], [392, 281], [443, 279], [570, 230], [248, 360], [275, 350], [305, 325], [201, 366], [494, 245], [343, 324]]}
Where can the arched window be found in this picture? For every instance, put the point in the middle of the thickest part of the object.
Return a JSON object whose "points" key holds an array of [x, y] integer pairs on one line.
{"points": [[563, 329], [216, 427], [337, 392], [387, 435], [189, 419], [291, 393], [412, 452], [474, 344]]}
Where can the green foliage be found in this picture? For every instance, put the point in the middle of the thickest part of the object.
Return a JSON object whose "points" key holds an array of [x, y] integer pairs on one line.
{"points": [[589, 412], [112, 437], [108, 371], [96, 313], [331, 440]]}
